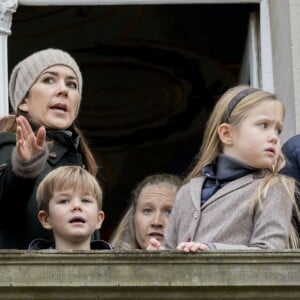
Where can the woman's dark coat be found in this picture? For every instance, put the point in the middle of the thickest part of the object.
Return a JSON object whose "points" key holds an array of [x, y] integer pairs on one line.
{"points": [[19, 224]]}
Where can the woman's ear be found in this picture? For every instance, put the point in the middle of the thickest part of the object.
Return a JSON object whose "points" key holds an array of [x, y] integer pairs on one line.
{"points": [[225, 134], [44, 219], [24, 106]]}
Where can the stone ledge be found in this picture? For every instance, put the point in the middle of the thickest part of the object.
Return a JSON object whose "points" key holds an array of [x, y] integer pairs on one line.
{"points": [[149, 275]]}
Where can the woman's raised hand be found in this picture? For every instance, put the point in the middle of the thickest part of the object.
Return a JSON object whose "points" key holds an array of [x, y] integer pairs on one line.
{"points": [[29, 144], [154, 245]]}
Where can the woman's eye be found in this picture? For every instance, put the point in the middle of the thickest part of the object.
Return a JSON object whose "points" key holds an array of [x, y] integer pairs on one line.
{"points": [[48, 80], [147, 211], [167, 212], [72, 84]]}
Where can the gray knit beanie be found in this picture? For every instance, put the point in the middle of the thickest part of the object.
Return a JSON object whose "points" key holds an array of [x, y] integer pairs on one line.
{"points": [[26, 72]]}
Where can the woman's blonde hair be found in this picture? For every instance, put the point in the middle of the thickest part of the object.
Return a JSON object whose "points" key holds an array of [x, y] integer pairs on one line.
{"points": [[67, 178], [124, 237], [233, 113]]}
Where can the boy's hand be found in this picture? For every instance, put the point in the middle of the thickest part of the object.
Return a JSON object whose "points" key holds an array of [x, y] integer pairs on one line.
{"points": [[192, 247], [154, 244]]}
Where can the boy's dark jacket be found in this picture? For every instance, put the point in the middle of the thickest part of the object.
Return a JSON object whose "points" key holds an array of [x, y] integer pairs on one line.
{"points": [[19, 224], [41, 244]]}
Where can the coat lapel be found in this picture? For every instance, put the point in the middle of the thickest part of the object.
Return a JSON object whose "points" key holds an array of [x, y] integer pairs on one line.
{"points": [[195, 190], [229, 188]]}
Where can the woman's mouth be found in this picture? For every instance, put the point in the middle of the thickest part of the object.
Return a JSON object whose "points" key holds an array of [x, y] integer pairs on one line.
{"points": [[60, 107], [157, 235]]}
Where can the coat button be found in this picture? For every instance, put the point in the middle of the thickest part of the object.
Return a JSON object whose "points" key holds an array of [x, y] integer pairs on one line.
{"points": [[52, 155], [196, 214]]}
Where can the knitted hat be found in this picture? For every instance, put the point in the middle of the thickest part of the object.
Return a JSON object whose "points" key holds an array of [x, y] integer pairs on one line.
{"points": [[26, 72]]}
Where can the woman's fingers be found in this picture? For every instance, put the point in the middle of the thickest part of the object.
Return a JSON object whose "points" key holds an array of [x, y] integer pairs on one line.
{"points": [[40, 137], [19, 136], [29, 144], [154, 244], [25, 126]]}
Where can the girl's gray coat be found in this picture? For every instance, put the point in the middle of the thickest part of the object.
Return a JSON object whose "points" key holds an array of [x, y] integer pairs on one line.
{"points": [[227, 220]]}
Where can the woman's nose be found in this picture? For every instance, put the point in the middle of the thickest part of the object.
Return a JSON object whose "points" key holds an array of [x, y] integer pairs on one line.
{"points": [[62, 88], [157, 220]]}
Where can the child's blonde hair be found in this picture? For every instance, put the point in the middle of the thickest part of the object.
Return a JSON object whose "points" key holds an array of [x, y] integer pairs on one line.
{"points": [[227, 110], [212, 145], [67, 178]]}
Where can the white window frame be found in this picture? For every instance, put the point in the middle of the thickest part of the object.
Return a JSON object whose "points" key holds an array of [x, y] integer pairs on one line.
{"points": [[260, 64]]}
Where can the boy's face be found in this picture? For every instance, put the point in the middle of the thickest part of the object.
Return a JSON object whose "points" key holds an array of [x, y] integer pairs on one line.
{"points": [[73, 216]]}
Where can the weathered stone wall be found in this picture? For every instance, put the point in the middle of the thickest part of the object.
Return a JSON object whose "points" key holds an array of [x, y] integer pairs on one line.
{"points": [[144, 275]]}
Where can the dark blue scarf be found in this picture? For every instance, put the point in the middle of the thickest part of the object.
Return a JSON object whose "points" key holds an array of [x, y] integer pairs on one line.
{"points": [[226, 169]]}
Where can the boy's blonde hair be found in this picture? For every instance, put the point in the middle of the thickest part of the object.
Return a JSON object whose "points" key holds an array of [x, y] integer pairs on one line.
{"points": [[225, 112], [67, 178]]}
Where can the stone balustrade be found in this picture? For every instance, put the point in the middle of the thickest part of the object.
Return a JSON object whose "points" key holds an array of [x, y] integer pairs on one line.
{"points": [[149, 275]]}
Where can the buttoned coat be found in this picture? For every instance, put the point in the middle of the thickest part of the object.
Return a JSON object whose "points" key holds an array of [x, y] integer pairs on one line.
{"points": [[228, 219]]}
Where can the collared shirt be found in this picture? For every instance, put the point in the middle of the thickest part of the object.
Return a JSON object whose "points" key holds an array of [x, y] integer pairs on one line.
{"points": [[226, 169]]}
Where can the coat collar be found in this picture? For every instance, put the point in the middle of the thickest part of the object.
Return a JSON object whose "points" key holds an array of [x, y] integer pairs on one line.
{"points": [[197, 183], [60, 142], [42, 244], [233, 186]]}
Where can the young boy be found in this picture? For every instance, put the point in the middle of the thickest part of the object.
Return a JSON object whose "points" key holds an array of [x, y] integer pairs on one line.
{"points": [[69, 202]]}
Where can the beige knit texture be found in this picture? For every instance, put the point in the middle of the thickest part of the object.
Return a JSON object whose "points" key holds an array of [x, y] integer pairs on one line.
{"points": [[26, 72]]}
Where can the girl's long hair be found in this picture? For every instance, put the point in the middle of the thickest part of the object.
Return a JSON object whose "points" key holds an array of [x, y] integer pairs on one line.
{"points": [[212, 146]]}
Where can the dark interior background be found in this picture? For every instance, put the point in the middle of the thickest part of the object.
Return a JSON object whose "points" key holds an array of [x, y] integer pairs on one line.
{"points": [[152, 74]]}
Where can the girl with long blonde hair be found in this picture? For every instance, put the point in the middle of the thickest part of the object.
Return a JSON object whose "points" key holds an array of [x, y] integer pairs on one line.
{"points": [[234, 197]]}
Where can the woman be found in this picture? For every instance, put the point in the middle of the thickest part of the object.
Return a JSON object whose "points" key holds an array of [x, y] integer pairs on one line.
{"points": [[45, 94], [148, 212]]}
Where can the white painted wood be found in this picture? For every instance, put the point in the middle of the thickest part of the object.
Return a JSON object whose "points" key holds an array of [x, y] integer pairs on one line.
{"points": [[124, 2], [285, 29], [267, 79], [295, 58], [7, 8], [3, 76], [250, 69], [254, 47]]}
